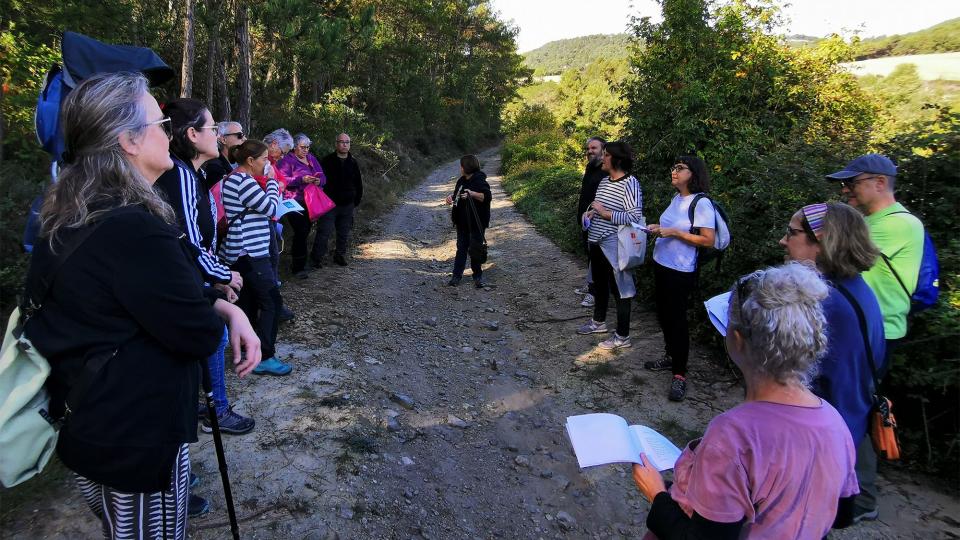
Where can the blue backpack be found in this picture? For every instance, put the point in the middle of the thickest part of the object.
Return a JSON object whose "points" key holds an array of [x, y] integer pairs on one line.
{"points": [[82, 57], [928, 279]]}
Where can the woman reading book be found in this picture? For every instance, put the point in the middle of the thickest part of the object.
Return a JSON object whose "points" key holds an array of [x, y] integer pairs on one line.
{"points": [[781, 464]]}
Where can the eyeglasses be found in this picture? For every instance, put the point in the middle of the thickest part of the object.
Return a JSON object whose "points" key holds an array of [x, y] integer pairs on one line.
{"points": [[678, 168], [791, 232], [302, 147], [743, 291], [343, 142], [165, 124], [850, 184], [238, 134], [205, 127]]}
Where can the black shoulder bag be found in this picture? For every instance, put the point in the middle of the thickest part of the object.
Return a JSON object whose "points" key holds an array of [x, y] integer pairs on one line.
{"points": [[477, 250]]}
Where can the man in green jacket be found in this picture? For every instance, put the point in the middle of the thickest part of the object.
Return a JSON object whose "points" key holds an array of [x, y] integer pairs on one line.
{"points": [[868, 184]]}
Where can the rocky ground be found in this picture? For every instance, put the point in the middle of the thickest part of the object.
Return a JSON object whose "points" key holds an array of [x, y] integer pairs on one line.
{"points": [[418, 410]]}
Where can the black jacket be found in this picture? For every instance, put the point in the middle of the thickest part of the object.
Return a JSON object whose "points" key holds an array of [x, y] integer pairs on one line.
{"points": [[588, 187], [131, 291], [461, 213], [215, 170], [344, 183]]}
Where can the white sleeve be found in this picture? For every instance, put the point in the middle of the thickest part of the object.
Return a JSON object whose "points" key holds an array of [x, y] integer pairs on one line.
{"points": [[704, 215]]}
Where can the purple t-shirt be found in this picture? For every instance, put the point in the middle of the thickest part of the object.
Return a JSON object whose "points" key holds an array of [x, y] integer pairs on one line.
{"points": [[782, 467]]}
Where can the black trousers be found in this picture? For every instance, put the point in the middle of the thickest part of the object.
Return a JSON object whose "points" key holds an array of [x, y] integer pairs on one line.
{"points": [[465, 234], [260, 300], [672, 293], [300, 223], [341, 218], [603, 284]]}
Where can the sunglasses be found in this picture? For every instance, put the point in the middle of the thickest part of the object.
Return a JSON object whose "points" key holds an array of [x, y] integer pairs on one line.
{"points": [[238, 134], [678, 168], [165, 124], [743, 292]]}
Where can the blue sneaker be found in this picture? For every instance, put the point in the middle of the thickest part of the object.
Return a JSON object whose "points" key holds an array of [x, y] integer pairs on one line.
{"points": [[197, 506], [194, 480], [272, 366]]}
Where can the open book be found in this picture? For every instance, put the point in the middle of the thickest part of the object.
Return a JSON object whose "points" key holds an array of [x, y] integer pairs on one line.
{"points": [[286, 206], [602, 438]]}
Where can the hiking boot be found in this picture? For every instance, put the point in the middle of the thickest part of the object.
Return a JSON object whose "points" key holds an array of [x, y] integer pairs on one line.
{"points": [[862, 514], [272, 366], [230, 423], [588, 300], [194, 480], [479, 283], [197, 506], [615, 342], [338, 258], [663, 363], [678, 388], [286, 315], [593, 327], [454, 281]]}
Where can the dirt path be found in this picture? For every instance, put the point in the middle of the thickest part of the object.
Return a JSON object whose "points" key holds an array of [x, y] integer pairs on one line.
{"points": [[417, 410]]}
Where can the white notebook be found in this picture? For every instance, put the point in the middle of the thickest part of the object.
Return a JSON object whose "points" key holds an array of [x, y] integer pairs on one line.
{"points": [[602, 438]]}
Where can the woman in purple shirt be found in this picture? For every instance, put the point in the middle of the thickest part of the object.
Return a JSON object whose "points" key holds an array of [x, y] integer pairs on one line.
{"points": [[781, 464], [301, 169]]}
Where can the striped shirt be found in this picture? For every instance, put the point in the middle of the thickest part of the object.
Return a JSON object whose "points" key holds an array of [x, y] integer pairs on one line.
{"points": [[249, 234], [622, 197]]}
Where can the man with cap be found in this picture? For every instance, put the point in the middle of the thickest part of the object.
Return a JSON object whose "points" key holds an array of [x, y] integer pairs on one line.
{"points": [[868, 183]]}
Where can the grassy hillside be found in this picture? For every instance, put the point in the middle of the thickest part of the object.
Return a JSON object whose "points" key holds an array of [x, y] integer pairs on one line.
{"points": [[940, 38], [558, 56]]}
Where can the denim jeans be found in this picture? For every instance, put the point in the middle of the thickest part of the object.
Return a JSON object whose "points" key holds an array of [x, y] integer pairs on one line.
{"points": [[217, 374]]}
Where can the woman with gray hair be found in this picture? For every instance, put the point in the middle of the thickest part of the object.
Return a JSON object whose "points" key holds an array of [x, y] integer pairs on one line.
{"points": [[779, 465], [835, 238], [118, 307], [301, 169]]}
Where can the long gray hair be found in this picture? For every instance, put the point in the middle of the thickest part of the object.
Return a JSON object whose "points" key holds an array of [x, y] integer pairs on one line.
{"points": [[98, 177]]}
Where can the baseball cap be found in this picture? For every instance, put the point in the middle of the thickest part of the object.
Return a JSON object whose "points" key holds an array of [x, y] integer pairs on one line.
{"points": [[868, 163]]}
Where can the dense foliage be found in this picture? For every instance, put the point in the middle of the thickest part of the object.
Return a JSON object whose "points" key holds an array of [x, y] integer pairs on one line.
{"points": [[406, 78], [943, 37], [558, 56], [770, 120]]}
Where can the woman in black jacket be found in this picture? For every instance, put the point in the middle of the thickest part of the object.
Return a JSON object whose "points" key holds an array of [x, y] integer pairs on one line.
{"points": [[473, 184], [125, 315]]}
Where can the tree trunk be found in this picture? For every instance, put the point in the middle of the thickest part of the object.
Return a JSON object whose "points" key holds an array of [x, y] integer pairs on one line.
{"points": [[186, 68], [212, 58], [244, 75]]}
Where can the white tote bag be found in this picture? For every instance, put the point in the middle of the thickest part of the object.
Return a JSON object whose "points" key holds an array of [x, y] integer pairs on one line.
{"points": [[631, 245]]}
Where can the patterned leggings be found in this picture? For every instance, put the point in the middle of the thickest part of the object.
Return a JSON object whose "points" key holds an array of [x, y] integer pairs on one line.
{"points": [[142, 516]]}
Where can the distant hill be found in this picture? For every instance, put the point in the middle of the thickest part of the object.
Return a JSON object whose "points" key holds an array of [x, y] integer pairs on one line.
{"points": [[558, 56], [940, 38]]}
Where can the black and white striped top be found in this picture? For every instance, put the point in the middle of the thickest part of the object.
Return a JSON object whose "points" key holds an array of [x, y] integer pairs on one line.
{"points": [[250, 234], [624, 198]]}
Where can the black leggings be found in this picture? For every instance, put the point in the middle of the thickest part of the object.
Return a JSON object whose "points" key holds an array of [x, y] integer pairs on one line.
{"points": [[300, 223], [604, 283], [672, 292], [260, 299]]}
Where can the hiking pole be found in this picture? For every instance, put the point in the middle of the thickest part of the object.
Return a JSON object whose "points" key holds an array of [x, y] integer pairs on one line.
{"points": [[218, 443]]}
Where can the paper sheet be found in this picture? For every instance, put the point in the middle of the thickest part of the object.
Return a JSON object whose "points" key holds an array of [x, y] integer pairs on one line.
{"points": [[717, 310]]}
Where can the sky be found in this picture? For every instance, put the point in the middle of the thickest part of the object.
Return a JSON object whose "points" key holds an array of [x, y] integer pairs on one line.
{"points": [[542, 21]]}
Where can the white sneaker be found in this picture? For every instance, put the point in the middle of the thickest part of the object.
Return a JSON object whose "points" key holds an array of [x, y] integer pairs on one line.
{"points": [[593, 327], [581, 291], [615, 342], [588, 301]]}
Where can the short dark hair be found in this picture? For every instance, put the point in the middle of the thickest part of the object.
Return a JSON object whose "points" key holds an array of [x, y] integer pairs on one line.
{"points": [[470, 164], [600, 140], [249, 148], [184, 113], [700, 176], [621, 155]]}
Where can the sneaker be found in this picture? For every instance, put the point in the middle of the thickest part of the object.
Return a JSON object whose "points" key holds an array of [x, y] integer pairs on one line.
{"points": [[338, 258], [592, 327], [230, 423], [479, 283], [861, 514], [272, 366], [316, 264], [454, 281], [615, 342], [286, 315], [197, 506], [194, 480], [201, 410], [303, 274], [588, 300], [678, 388], [659, 365]]}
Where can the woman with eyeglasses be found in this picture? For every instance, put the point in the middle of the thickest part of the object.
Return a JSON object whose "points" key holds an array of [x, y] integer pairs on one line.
{"points": [[301, 169], [836, 239], [780, 464], [125, 320], [249, 210], [194, 143], [675, 264]]}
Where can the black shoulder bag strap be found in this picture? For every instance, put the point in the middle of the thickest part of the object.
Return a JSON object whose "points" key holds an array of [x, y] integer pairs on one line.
{"points": [[692, 209], [890, 266], [230, 223], [863, 331], [476, 216]]}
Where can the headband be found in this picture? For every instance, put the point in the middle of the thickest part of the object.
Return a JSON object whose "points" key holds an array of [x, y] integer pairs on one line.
{"points": [[813, 215]]}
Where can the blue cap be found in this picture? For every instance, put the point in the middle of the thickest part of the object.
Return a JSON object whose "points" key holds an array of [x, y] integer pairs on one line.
{"points": [[869, 163]]}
